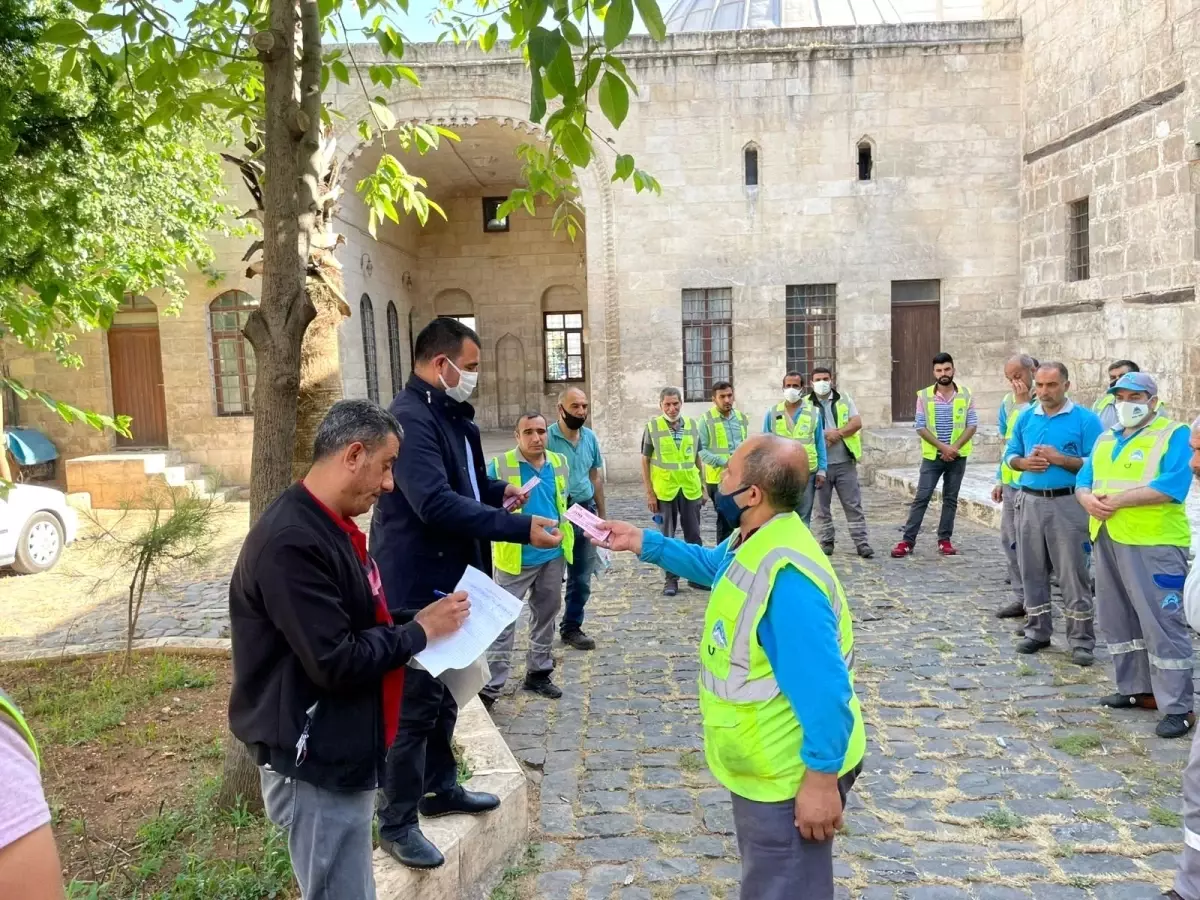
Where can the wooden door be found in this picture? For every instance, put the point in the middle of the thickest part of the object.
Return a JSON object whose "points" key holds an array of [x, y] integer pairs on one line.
{"points": [[916, 340], [135, 364]]}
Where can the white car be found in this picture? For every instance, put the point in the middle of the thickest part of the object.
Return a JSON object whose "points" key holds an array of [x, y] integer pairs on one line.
{"points": [[35, 525]]}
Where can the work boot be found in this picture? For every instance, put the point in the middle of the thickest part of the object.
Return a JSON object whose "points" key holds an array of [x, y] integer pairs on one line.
{"points": [[671, 588], [541, 684], [901, 550], [414, 850], [1013, 610], [1174, 725], [1128, 701], [1081, 656], [866, 552], [1171, 895], [457, 800], [1029, 645], [827, 548], [577, 639], [1019, 631], [946, 548]]}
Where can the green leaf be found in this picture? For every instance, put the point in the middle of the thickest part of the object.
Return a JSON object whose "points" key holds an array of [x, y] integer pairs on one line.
{"points": [[543, 45], [571, 33], [561, 71], [340, 72], [64, 33], [487, 40], [189, 68], [104, 22], [87, 6], [537, 98], [575, 145], [614, 99], [652, 19], [617, 22], [590, 73], [383, 115], [623, 167]]}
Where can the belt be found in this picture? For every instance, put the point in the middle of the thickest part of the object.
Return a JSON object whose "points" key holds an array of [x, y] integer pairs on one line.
{"points": [[1057, 492]]}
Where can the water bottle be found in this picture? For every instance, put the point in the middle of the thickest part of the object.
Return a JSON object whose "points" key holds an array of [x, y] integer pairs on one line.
{"points": [[658, 519]]}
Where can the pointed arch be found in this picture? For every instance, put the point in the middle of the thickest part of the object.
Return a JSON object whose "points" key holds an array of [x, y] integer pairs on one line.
{"points": [[864, 158], [751, 164]]}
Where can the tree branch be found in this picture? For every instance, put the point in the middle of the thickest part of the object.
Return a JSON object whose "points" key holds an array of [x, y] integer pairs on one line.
{"points": [[137, 6], [362, 83]]}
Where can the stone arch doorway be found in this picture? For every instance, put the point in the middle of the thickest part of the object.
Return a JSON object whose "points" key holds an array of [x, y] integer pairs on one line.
{"points": [[512, 399]]}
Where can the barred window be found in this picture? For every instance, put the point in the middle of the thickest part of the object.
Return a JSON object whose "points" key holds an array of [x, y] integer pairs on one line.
{"points": [[564, 346], [393, 330], [233, 356], [367, 314], [707, 340], [1079, 251], [811, 327]]}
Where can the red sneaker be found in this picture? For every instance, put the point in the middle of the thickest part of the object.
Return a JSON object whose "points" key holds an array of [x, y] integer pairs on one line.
{"points": [[946, 548], [902, 549]]}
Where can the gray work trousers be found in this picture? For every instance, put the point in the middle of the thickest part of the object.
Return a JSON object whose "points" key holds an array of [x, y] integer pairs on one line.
{"points": [[1008, 538], [680, 514], [544, 585], [1187, 878], [329, 836], [1140, 605], [843, 478], [1053, 531], [805, 509], [777, 863]]}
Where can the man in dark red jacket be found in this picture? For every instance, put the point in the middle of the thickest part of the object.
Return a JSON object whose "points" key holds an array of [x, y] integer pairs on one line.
{"points": [[318, 665]]}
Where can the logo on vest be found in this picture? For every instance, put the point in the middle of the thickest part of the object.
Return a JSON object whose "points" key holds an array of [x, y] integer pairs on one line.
{"points": [[718, 635], [1171, 601], [1137, 456]]}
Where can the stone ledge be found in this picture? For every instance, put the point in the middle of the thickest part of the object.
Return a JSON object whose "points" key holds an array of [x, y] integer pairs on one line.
{"points": [[974, 497], [181, 645]]}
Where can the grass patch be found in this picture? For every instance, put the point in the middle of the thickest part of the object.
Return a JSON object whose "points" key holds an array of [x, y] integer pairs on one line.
{"points": [[507, 889], [73, 710], [691, 761], [1003, 820], [942, 645], [1160, 816], [464, 770], [1078, 744], [1025, 670], [1099, 814]]}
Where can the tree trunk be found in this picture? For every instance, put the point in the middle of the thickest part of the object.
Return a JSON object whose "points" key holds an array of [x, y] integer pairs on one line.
{"points": [[320, 367], [291, 141]]}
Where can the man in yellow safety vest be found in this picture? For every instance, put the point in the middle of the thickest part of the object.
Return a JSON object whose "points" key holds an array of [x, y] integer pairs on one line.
{"points": [[842, 426], [524, 569], [722, 430], [1018, 372], [783, 730], [1134, 486], [1105, 405], [671, 474], [798, 418]]}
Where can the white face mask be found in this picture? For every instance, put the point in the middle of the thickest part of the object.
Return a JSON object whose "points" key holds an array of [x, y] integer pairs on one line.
{"points": [[792, 395], [1130, 415], [465, 387], [671, 418], [823, 388]]}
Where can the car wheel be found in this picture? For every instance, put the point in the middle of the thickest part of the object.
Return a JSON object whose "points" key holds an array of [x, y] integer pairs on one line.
{"points": [[40, 544]]}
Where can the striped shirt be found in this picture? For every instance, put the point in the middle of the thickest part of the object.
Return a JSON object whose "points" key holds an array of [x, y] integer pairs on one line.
{"points": [[943, 414]]}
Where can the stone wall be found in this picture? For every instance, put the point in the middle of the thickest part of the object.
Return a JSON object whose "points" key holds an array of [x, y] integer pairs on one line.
{"points": [[1110, 114]]}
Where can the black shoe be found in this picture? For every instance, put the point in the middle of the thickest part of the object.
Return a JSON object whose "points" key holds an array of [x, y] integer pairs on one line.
{"points": [[1019, 631], [1081, 656], [866, 552], [1129, 701], [1013, 610], [459, 800], [488, 702], [697, 587], [1029, 645], [1008, 581], [1174, 725], [577, 639], [827, 549], [543, 686], [670, 589], [413, 850]]}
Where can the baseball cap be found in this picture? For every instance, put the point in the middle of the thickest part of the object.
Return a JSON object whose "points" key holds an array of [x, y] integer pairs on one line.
{"points": [[1135, 381]]}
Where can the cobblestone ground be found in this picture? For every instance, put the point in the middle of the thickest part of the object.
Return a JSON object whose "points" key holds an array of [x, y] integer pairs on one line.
{"points": [[988, 776]]}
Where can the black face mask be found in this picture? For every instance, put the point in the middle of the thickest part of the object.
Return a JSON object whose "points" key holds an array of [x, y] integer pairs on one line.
{"points": [[572, 422]]}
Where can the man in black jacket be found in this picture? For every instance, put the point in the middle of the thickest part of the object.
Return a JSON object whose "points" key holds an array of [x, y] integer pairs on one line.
{"points": [[442, 519], [318, 665]]}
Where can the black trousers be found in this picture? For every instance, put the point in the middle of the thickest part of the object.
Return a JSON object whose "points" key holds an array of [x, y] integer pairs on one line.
{"points": [[421, 760], [724, 529], [951, 475]]}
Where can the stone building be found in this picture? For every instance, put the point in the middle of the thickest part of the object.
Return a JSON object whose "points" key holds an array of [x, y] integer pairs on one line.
{"points": [[857, 183]]}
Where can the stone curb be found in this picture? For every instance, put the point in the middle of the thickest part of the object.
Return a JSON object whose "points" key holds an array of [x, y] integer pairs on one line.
{"points": [[475, 847], [983, 511]]}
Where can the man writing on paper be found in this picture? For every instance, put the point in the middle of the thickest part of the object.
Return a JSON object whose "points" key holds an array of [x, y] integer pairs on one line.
{"points": [[318, 666], [443, 517], [783, 730], [535, 571]]}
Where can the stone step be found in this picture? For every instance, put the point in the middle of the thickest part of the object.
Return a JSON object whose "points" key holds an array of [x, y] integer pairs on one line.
{"points": [[899, 446]]}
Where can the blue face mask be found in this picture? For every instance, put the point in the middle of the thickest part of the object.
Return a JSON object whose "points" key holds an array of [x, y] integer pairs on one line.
{"points": [[727, 506]]}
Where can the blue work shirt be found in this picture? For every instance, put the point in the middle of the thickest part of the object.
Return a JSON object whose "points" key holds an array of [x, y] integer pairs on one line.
{"points": [[810, 670], [1174, 474], [582, 457], [542, 502], [1072, 431], [818, 435]]}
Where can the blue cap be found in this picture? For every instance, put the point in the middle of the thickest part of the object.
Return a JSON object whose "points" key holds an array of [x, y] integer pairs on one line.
{"points": [[1135, 381]]}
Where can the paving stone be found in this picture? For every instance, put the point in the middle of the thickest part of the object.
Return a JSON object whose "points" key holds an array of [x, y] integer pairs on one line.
{"points": [[671, 801], [603, 801], [1085, 833], [557, 885], [670, 868], [636, 893], [692, 892], [1097, 864], [711, 847], [1125, 890], [616, 848], [607, 824]]}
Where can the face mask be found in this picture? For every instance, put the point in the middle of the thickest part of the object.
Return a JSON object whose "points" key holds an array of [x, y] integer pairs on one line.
{"points": [[727, 506], [465, 387], [572, 422], [1130, 415], [672, 418], [823, 388], [792, 395]]}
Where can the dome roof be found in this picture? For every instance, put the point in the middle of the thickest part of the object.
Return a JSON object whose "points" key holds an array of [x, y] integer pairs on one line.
{"points": [[731, 15]]}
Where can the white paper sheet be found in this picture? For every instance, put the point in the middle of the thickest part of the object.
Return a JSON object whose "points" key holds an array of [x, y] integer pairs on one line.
{"points": [[492, 608], [464, 684]]}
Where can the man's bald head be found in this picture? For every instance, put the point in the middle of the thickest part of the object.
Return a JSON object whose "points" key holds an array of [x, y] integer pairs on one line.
{"points": [[775, 465]]}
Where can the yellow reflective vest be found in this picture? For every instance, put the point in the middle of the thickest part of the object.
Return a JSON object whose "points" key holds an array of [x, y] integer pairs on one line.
{"points": [[752, 738], [1008, 475], [853, 443], [1138, 464], [804, 429], [713, 424], [8, 708], [507, 557], [960, 408], [673, 465]]}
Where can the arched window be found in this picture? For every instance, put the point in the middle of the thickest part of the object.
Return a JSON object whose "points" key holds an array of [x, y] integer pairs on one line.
{"points": [[750, 156], [367, 313], [866, 165], [393, 323], [233, 357]]}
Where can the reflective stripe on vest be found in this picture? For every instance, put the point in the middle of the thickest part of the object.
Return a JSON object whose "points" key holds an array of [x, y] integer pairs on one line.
{"points": [[1008, 475], [960, 408], [8, 708], [507, 557], [673, 466], [1137, 465], [720, 435], [854, 442], [804, 429]]}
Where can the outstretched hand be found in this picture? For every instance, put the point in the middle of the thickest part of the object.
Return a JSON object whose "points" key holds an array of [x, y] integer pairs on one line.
{"points": [[621, 536]]}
